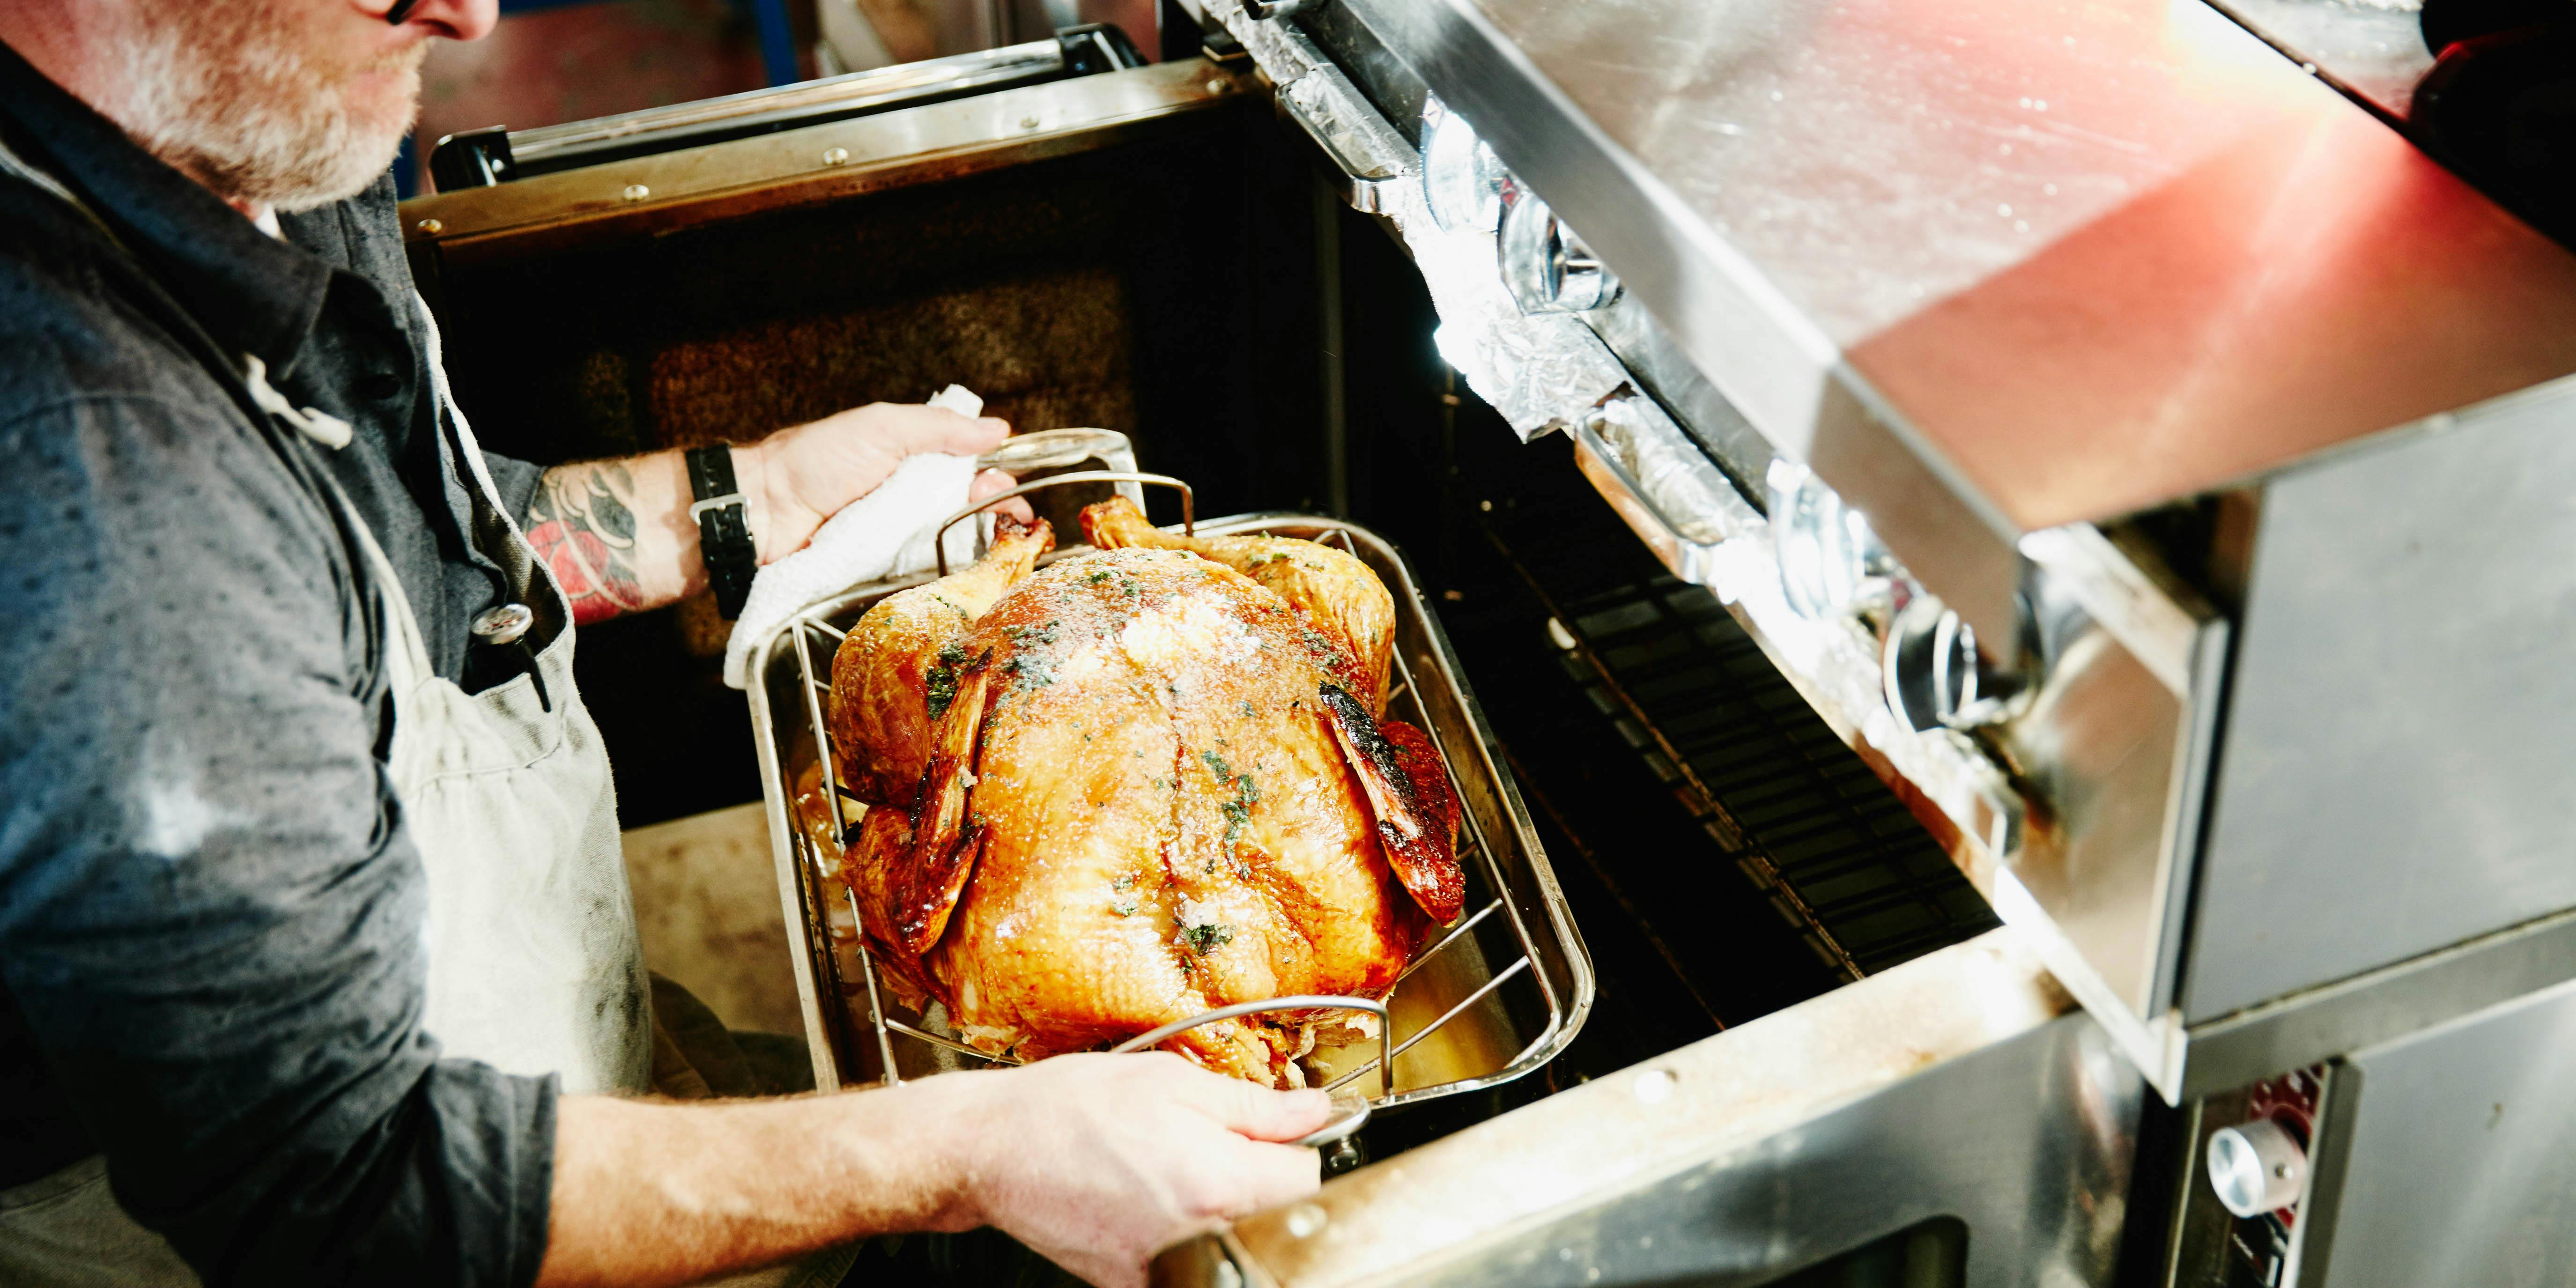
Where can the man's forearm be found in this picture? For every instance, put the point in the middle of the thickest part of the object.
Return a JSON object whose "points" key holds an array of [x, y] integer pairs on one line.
{"points": [[650, 1193], [616, 534], [1094, 1160]]}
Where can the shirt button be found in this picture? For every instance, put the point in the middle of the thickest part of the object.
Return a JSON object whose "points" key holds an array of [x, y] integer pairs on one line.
{"points": [[505, 624], [376, 386]]}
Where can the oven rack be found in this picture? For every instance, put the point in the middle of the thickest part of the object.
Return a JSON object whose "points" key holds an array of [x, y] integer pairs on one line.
{"points": [[1807, 822], [1454, 996]]}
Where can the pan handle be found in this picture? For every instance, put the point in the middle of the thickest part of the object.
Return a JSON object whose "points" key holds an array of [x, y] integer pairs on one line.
{"points": [[1301, 1002], [1350, 1113], [1056, 449], [1189, 501]]}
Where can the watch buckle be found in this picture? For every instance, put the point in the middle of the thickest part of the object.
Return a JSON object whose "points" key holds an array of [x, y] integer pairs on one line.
{"points": [[698, 509]]}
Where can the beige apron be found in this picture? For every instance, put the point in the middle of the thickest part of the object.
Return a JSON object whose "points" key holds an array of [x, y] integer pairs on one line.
{"points": [[534, 965]]}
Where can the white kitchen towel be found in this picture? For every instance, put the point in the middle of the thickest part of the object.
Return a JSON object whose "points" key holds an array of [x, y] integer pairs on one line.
{"points": [[884, 534]]}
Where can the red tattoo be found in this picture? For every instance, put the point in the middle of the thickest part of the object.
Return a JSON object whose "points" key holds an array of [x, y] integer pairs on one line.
{"points": [[584, 533]]}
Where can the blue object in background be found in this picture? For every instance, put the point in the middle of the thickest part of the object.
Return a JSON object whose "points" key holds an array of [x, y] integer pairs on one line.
{"points": [[777, 39], [406, 171]]}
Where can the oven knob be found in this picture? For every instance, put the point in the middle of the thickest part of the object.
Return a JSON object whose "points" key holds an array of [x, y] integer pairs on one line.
{"points": [[1830, 562], [2257, 1167], [1548, 268], [1933, 674]]}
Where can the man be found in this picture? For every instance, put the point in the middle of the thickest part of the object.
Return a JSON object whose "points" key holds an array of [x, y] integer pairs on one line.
{"points": [[248, 554]]}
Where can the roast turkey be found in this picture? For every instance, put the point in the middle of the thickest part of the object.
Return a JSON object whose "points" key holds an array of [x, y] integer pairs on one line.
{"points": [[1138, 784]]}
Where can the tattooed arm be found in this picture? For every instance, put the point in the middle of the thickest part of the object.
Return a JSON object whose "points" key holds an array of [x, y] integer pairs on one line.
{"points": [[618, 537], [582, 525]]}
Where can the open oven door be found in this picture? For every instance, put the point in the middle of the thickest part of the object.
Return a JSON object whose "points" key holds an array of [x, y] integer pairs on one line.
{"points": [[1954, 1121]]}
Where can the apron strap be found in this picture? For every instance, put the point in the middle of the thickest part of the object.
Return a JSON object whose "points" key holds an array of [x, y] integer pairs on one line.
{"points": [[496, 532], [493, 526], [406, 653], [320, 426], [13, 164]]}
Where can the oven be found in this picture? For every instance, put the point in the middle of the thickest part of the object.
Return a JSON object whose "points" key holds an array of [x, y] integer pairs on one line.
{"points": [[2007, 558]]}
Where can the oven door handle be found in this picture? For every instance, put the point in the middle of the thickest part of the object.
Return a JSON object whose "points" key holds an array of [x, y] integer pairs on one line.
{"points": [[1679, 503], [1369, 157]]}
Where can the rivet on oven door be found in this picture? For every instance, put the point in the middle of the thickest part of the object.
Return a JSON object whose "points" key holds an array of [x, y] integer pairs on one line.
{"points": [[431, 226], [1655, 1086], [636, 192], [1219, 85], [835, 156], [1305, 1221]]}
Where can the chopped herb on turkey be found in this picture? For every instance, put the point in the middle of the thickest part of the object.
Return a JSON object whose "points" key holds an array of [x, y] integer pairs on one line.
{"points": [[941, 686]]}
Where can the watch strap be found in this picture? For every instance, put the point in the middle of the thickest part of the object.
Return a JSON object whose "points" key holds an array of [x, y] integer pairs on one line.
{"points": [[724, 527]]}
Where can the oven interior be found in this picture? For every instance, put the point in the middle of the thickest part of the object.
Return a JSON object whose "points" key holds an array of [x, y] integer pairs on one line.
{"points": [[1199, 289]]}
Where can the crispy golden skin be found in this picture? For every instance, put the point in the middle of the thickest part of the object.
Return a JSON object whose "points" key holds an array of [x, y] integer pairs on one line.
{"points": [[1148, 814], [883, 675], [1336, 593]]}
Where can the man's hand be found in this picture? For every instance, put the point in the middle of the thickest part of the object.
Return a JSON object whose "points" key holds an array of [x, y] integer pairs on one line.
{"points": [[802, 475], [1096, 1161]]}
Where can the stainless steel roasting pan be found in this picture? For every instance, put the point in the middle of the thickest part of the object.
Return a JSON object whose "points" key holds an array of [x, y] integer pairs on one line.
{"points": [[1492, 996]]}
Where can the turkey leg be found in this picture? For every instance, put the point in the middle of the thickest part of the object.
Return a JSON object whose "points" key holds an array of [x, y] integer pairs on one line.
{"points": [[1416, 809], [945, 833]]}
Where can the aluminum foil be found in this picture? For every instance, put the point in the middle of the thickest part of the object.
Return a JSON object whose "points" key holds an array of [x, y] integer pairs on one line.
{"points": [[1275, 48], [1669, 471], [1541, 371]]}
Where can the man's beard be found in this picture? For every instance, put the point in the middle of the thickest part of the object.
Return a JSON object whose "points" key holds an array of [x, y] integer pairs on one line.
{"points": [[225, 93]]}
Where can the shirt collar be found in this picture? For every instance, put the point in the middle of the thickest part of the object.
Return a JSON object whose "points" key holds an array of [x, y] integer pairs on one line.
{"points": [[252, 292]]}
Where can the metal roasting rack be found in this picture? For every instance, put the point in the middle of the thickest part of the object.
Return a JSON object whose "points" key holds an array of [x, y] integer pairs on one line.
{"points": [[1483, 1025]]}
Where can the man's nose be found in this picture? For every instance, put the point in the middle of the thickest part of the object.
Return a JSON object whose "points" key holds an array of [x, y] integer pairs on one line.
{"points": [[454, 19]]}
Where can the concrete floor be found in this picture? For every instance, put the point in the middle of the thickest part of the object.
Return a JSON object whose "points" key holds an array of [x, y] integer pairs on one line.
{"points": [[707, 906]]}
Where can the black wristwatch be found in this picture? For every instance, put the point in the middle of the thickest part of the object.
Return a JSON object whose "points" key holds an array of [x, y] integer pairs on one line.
{"points": [[724, 527]]}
